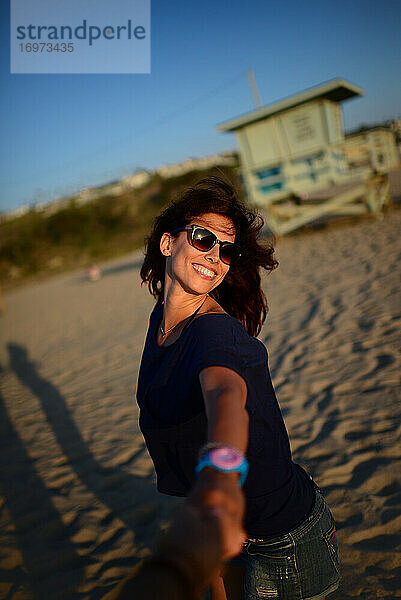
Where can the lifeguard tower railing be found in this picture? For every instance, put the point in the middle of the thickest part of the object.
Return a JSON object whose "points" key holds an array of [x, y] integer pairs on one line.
{"points": [[293, 161]]}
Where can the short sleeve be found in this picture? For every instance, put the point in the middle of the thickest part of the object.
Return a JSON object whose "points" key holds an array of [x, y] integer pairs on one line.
{"points": [[221, 342]]}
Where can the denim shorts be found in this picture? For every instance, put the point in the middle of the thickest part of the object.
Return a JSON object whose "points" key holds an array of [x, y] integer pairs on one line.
{"points": [[300, 565]]}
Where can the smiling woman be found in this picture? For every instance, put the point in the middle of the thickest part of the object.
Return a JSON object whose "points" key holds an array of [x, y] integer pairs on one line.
{"points": [[194, 259], [208, 410], [214, 205]]}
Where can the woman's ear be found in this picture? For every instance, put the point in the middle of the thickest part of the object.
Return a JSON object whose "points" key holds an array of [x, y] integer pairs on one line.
{"points": [[165, 244]]}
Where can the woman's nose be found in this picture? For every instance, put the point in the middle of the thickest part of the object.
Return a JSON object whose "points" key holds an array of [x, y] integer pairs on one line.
{"points": [[213, 254]]}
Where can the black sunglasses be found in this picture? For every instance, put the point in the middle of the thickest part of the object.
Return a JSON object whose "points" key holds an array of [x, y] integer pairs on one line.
{"points": [[202, 239]]}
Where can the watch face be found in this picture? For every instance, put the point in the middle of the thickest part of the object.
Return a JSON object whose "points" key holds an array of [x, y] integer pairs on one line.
{"points": [[226, 458]]}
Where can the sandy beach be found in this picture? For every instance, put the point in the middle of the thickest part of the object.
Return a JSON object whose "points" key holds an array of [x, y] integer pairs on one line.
{"points": [[78, 504]]}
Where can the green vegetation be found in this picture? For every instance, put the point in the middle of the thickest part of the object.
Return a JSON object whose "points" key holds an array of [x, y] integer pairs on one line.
{"points": [[38, 244]]}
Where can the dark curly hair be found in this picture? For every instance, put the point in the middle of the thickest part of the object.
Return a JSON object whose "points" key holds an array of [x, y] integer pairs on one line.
{"points": [[240, 293]]}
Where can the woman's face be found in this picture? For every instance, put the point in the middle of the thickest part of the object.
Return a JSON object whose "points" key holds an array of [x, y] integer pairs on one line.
{"points": [[196, 271]]}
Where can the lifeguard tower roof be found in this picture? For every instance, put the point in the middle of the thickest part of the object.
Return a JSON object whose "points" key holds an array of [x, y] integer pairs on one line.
{"points": [[336, 90]]}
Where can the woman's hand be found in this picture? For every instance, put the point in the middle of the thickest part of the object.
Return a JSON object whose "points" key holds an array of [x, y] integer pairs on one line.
{"points": [[188, 556], [218, 494]]}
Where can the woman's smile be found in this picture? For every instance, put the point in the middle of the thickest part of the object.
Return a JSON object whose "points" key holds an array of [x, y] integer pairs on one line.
{"points": [[204, 272]]}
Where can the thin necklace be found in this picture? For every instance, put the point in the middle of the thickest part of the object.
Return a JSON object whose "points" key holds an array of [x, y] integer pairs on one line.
{"points": [[165, 332]]}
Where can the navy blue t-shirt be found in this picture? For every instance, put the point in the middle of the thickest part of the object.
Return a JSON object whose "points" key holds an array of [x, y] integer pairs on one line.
{"points": [[173, 419]]}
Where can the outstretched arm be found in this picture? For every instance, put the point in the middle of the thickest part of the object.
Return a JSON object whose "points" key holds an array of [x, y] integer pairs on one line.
{"points": [[224, 393], [208, 528]]}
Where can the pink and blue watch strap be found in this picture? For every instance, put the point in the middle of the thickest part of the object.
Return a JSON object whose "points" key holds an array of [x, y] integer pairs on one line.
{"points": [[226, 459]]}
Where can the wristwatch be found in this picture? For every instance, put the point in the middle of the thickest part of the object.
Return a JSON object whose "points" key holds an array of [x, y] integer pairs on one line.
{"points": [[226, 459]]}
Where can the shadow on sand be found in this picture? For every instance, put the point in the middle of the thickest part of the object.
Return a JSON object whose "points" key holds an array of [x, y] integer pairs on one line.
{"points": [[53, 568]]}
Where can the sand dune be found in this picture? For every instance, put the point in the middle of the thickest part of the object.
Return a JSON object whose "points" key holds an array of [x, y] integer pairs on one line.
{"points": [[78, 504]]}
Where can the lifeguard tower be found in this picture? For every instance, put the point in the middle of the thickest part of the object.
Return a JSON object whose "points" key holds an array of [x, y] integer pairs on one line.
{"points": [[293, 161]]}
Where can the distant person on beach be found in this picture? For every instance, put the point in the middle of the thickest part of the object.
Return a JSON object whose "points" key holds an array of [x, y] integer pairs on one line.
{"points": [[93, 273], [208, 410]]}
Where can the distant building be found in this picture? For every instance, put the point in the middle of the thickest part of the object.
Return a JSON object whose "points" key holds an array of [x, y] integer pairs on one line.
{"points": [[191, 164], [395, 126], [372, 149], [17, 212], [136, 180]]}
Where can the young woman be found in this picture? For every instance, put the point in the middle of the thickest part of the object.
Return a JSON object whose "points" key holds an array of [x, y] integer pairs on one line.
{"points": [[208, 410]]}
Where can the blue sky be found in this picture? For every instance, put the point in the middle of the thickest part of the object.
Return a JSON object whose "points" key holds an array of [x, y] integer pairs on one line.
{"points": [[60, 133]]}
